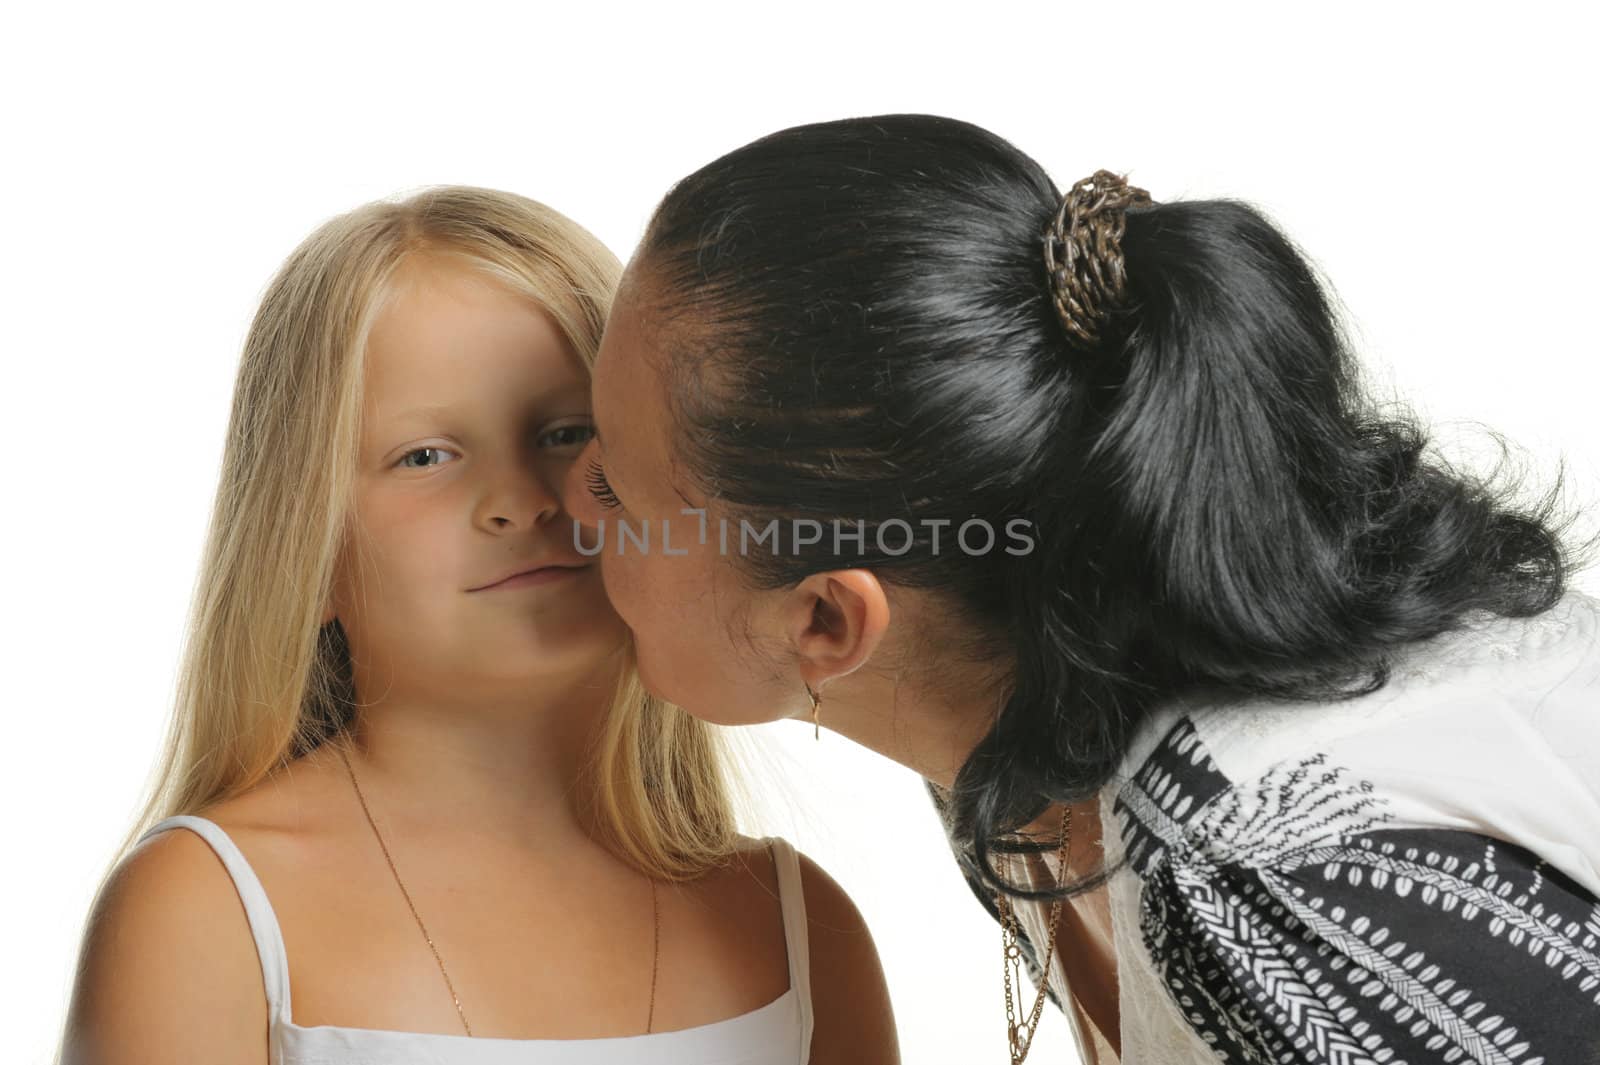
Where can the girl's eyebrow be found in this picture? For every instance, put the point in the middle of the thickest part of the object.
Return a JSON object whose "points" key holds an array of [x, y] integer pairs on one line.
{"points": [[432, 410]]}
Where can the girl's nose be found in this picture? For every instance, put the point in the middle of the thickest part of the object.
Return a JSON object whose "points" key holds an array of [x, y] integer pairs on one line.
{"points": [[520, 498]]}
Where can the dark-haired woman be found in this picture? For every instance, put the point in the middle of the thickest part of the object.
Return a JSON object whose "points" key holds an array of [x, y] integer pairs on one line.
{"points": [[1266, 737]]}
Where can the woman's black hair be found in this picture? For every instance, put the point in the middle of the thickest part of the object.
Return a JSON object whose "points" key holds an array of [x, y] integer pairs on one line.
{"points": [[859, 326]]}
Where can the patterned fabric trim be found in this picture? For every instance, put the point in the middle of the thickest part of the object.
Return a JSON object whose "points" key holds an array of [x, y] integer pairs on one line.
{"points": [[1292, 923]]}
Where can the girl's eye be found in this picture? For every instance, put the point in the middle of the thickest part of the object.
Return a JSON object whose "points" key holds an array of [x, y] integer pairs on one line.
{"points": [[406, 463], [568, 436], [599, 487]]}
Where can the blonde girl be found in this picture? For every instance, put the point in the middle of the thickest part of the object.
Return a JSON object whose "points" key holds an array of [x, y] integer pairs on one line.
{"points": [[417, 779]]}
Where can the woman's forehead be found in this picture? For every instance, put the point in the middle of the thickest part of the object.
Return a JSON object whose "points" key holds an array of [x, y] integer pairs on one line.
{"points": [[632, 414]]}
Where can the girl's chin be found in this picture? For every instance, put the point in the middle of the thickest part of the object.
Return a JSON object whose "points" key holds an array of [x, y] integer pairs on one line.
{"points": [[544, 655]]}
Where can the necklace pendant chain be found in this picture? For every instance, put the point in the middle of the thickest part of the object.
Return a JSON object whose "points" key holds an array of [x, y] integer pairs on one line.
{"points": [[448, 983], [1019, 1036]]}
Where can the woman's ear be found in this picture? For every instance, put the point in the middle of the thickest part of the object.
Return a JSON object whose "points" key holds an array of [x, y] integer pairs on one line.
{"points": [[835, 621]]}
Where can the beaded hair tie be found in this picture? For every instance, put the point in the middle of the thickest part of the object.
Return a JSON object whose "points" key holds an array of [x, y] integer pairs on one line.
{"points": [[1083, 253]]}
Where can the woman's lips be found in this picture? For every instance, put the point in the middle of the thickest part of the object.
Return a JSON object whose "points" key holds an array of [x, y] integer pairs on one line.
{"points": [[535, 578]]}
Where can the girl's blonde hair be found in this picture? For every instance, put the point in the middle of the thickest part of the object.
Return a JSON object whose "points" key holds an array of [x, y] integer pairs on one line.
{"points": [[262, 680]]}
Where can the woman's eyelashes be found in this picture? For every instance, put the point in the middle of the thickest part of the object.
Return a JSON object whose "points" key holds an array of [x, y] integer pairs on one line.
{"points": [[599, 487]]}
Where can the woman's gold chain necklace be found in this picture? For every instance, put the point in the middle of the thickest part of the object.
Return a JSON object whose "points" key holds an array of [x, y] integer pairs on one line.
{"points": [[1020, 1036], [654, 965]]}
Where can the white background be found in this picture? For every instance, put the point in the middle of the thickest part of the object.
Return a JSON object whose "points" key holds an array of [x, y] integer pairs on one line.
{"points": [[1435, 160]]}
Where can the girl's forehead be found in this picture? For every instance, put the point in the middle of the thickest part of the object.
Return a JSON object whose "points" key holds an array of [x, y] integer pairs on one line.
{"points": [[449, 330]]}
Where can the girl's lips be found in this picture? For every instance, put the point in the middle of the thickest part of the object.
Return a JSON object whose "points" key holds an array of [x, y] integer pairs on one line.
{"points": [[534, 578]]}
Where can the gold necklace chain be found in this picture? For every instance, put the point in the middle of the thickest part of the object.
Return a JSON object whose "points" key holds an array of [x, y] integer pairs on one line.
{"points": [[654, 964], [1020, 1037]]}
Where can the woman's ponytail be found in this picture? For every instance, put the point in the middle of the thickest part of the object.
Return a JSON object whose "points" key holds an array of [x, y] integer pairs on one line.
{"points": [[1224, 508]]}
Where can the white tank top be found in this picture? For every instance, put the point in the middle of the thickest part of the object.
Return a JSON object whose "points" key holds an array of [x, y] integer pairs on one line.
{"points": [[778, 1033]]}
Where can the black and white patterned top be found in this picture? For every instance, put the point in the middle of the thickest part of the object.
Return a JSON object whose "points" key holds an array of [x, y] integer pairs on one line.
{"points": [[1406, 877]]}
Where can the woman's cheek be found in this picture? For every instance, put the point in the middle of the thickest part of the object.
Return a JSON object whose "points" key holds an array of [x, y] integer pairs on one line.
{"points": [[622, 588]]}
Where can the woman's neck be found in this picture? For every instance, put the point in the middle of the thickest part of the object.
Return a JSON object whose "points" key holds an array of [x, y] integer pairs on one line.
{"points": [[929, 726]]}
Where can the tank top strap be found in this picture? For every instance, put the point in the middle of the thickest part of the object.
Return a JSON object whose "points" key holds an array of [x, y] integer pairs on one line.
{"points": [[792, 897], [257, 909]]}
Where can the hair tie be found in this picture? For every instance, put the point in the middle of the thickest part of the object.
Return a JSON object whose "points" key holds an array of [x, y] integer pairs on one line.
{"points": [[1083, 253]]}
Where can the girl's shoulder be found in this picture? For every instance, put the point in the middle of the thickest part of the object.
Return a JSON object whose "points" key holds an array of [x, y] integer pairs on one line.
{"points": [[168, 963], [173, 883], [822, 931], [766, 870], [771, 868], [734, 912]]}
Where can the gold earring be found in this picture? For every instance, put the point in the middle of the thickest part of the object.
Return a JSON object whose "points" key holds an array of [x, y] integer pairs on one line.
{"points": [[816, 701]]}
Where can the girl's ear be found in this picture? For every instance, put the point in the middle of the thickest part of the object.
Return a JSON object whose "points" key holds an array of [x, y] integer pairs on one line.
{"points": [[835, 621], [330, 604]]}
